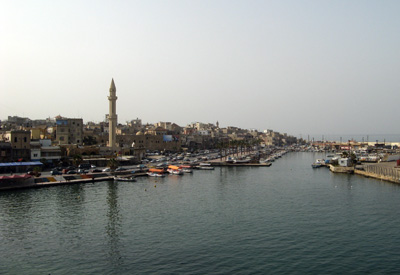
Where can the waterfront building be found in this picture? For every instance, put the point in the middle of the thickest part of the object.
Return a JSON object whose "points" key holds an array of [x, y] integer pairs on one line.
{"points": [[43, 150]]}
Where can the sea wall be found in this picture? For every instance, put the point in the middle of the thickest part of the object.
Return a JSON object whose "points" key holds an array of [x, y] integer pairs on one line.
{"points": [[381, 172]]}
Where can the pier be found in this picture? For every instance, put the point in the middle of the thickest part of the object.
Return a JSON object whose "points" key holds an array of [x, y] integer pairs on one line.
{"points": [[62, 180]]}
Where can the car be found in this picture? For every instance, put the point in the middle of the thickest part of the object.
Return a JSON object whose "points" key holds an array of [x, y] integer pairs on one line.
{"points": [[84, 166], [82, 171], [107, 169], [120, 169], [55, 172], [95, 170], [71, 172], [33, 173]]}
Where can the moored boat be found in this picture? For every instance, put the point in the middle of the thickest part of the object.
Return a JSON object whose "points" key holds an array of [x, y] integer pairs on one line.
{"points": [[318, 163], [186, 169], [154, 174], [131, 179]]}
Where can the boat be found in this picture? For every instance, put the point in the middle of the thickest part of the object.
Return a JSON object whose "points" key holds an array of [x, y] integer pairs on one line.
{"points": [[131, 179], [154, 174], [318, 163], [174, 170], [229, 160], [186, 169], [205, 166], [246, 160]]}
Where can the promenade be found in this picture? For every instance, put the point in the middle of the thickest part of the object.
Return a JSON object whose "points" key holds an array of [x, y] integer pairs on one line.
{"points": [[386, 171]]}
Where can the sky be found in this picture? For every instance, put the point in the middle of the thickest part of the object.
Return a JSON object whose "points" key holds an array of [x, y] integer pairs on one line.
{"points": [[297, 67]]}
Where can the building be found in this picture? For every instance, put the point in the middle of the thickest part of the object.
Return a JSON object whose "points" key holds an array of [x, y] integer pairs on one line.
{"points": [[20, 144], [5, 151], [43, 150], [69, 131]]}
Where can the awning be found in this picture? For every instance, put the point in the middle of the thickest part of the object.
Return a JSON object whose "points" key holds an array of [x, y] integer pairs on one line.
{"points": [[26, 163], [26, 176]]}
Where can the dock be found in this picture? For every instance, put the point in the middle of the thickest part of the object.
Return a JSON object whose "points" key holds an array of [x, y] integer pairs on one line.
{"points": [[50, 181], [227, 164]]}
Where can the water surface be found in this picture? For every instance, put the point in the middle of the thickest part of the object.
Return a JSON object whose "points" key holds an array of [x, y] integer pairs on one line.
{"points": [[287, 218]]}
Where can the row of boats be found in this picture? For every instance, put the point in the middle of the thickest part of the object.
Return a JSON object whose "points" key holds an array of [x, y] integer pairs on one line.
{"points": [[177, 170]]}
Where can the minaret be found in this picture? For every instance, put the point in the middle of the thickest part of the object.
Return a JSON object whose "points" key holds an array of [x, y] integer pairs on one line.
{"points": [[112, 117]]}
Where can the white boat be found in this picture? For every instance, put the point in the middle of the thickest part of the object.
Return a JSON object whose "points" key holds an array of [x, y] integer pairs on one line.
{"points": [[131, 179], [175, 172], [187, 170], [205, 167], [318, 163], [245, 160], [153, 174]]}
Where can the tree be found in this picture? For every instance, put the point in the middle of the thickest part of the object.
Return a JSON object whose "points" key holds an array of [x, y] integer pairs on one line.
{"points": [[77, 159], [89, 140], [113, 164]]}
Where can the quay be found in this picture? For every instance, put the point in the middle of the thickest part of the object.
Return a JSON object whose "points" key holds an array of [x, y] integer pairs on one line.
{"points": [[227, 164], [13, 184]]}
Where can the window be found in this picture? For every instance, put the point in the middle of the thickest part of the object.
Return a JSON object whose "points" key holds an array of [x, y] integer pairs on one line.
{"points": [[15, 139], [24, 139], [35, 155]]}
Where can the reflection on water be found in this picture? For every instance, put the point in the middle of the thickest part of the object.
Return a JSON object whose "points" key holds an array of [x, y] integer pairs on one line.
{"points": [[113, 227]]}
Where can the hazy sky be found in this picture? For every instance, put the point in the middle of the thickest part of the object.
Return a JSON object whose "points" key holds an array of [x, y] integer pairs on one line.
{"points": [[299, 67]]}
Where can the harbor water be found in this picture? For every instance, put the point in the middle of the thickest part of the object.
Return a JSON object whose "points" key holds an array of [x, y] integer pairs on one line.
{"points": [[287, 218]]}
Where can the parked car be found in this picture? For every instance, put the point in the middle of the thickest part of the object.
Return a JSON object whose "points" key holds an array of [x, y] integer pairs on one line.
{"points": [[84, 166], [71, 172], [120, 169], [107, 169], [33, 173], [55, 172], [82, 171]]}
